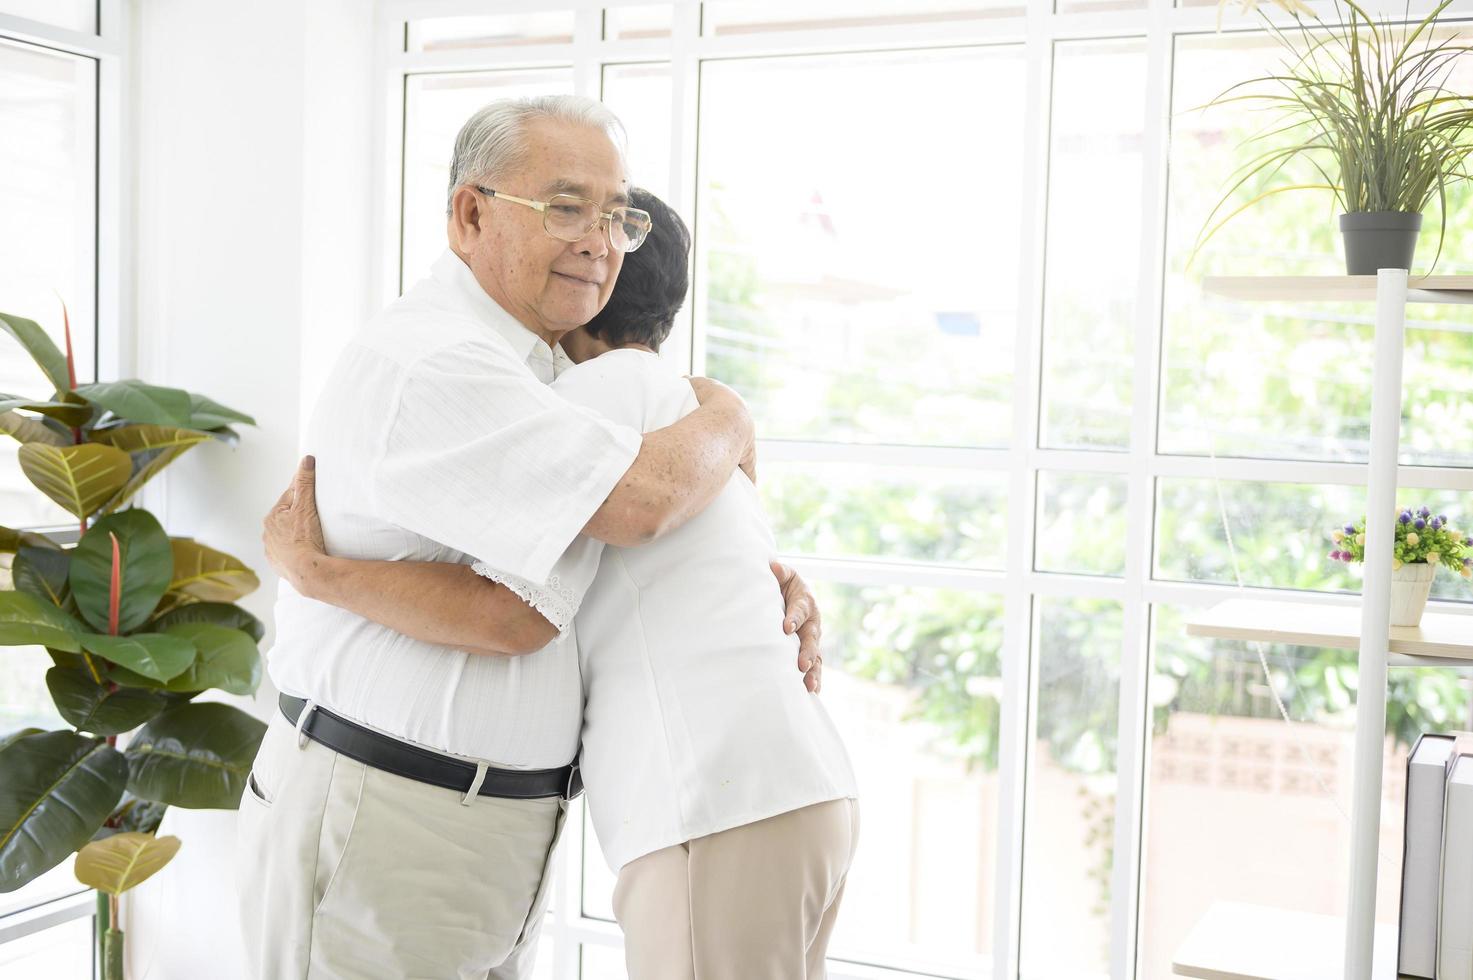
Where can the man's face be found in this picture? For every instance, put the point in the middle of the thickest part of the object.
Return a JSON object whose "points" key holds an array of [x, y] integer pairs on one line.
{"points": [[551, 286]]}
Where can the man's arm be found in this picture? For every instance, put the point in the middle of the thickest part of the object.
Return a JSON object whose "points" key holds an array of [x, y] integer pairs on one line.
{"points": [[438, 602], [679, 470]]}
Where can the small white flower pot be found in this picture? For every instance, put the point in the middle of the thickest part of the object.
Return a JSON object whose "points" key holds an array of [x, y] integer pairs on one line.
{"points": [[1410, 586]]}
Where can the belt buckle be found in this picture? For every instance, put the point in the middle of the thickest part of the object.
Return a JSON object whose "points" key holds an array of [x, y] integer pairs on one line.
{"points": [[574, 787]]}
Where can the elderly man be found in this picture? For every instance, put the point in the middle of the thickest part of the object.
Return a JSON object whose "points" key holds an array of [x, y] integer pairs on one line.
{"points": [[403, 809]]}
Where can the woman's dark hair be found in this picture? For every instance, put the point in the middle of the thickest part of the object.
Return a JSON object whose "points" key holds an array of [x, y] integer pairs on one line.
{"points": [[652, 284]]}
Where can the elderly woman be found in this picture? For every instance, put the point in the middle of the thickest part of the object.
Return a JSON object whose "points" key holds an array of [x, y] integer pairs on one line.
{"points": [[719, 789]]}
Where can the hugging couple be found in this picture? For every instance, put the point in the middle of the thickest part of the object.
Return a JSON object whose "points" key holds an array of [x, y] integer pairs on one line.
{"points": [[527, 555]]}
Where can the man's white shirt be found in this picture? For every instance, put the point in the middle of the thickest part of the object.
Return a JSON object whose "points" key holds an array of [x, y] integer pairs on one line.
{"points": [[696, 719], [438, 439]]}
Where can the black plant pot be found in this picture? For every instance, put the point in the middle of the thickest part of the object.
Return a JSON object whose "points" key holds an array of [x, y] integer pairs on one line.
{"points": [[1379, 240]]}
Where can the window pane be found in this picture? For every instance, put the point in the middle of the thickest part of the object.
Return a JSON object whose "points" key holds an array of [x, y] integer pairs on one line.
{"points": [[74, 15], [48, 175], [1090, 6], [852, 510], [1280, 533], [601, 962], [831, 255], [1291, 380], [1081, 524], [912, 681], [640, 97], [1070, 823], [436, 106], [1093, 241], [1261, 808], [62, 952], [649, 20], [763, 16], [498, 31]]}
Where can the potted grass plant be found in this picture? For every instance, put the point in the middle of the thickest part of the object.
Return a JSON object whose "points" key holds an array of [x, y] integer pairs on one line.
{"points": [[1365, 109], [1423, 541], [137, 624]]}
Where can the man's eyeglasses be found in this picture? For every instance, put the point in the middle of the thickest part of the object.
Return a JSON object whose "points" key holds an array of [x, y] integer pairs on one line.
{"points": [[568, 218]]}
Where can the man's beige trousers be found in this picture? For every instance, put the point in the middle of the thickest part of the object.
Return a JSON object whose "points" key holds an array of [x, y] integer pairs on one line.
{"points": [[352, 873], [756, 902]]}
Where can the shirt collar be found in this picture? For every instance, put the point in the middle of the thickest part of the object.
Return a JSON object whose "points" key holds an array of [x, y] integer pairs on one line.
{"points": [[450, 270]]}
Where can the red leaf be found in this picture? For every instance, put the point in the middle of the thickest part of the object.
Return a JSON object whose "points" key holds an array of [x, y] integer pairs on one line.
{"points": [[115, 589]]}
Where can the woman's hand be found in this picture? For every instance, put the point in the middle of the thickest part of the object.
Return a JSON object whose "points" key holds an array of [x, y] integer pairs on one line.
{"points": [[801, 616], [292, 532]]}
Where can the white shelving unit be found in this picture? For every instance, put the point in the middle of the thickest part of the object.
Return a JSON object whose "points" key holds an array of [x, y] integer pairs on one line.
{"points": [[1304, 947]]}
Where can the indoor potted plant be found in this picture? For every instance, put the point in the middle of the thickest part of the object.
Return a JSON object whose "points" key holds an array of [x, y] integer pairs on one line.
{"points": [[1365, 108], [1423, 541], [137, 624]]}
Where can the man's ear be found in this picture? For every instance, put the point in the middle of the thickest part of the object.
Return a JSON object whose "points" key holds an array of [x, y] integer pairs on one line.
{"points": [[465, 217]]}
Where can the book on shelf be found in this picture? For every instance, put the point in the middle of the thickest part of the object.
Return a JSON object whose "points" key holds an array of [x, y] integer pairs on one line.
{"points": [[1421, 855], [1455, 901]]}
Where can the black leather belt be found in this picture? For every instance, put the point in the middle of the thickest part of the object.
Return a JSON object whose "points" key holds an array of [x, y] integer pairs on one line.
{"points": [[412, 762]]}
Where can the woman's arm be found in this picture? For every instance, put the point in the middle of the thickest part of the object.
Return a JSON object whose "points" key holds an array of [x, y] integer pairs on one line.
{"points": [[437, 602]]}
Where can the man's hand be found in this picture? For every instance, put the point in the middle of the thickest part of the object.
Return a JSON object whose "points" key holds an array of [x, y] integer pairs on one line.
{"points": [[714, 392], [801, 616], [292, 531]]}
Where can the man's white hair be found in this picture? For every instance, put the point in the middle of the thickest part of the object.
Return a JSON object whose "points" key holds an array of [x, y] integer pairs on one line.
{"points": [[492, 142]]}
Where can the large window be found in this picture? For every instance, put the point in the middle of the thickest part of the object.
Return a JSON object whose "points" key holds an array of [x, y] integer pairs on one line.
{"points": [[940, 247], [61, 71]]}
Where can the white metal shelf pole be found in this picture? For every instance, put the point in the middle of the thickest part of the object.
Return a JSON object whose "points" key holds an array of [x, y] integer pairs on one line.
{"points": [[1370, 709]]}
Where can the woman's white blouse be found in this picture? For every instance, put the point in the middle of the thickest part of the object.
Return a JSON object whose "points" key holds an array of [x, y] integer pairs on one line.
{"points": [[695, 718]]}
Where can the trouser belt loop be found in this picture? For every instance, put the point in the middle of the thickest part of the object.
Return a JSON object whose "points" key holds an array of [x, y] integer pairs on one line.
{"points": [[470, 794], [302, 722]]}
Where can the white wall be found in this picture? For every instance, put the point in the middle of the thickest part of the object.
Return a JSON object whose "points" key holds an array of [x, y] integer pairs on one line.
{"points": [[251, 159]]}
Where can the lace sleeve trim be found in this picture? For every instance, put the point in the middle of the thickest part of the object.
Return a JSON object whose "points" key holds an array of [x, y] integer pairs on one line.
{"points": [[555, 603]]}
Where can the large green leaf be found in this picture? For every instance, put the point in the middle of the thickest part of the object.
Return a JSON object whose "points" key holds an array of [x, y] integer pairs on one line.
{"points": [[40, 346], [26, 620], [58, 789], [42, 572], [91, 707], [209, 575], [13, 540], [16, 735], [224, 658], [147, 566], [157, 656], [79, 478], [194, 756], [217, 613], [152, 448], [25, 429], [117, 863], [205, 413], [66, 410], [139, 402]]}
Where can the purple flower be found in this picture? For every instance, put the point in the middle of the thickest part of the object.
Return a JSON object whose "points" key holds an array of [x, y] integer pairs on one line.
{"points": [[1406, 517], [1437, 522], [1335, 555], [1425, 512], [1441, 519], [1345, 556], [1468, 561], [1468, 540], [1419, 524], [1350, 529]]}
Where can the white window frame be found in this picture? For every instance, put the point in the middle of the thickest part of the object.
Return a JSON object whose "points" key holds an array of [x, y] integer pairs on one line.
{"points": [[1158, 24], [113, 336]]}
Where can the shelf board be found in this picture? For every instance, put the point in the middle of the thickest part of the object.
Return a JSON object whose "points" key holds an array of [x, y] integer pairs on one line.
{"points": [[1237, 941], [1420, 289], [1447, 637]]}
